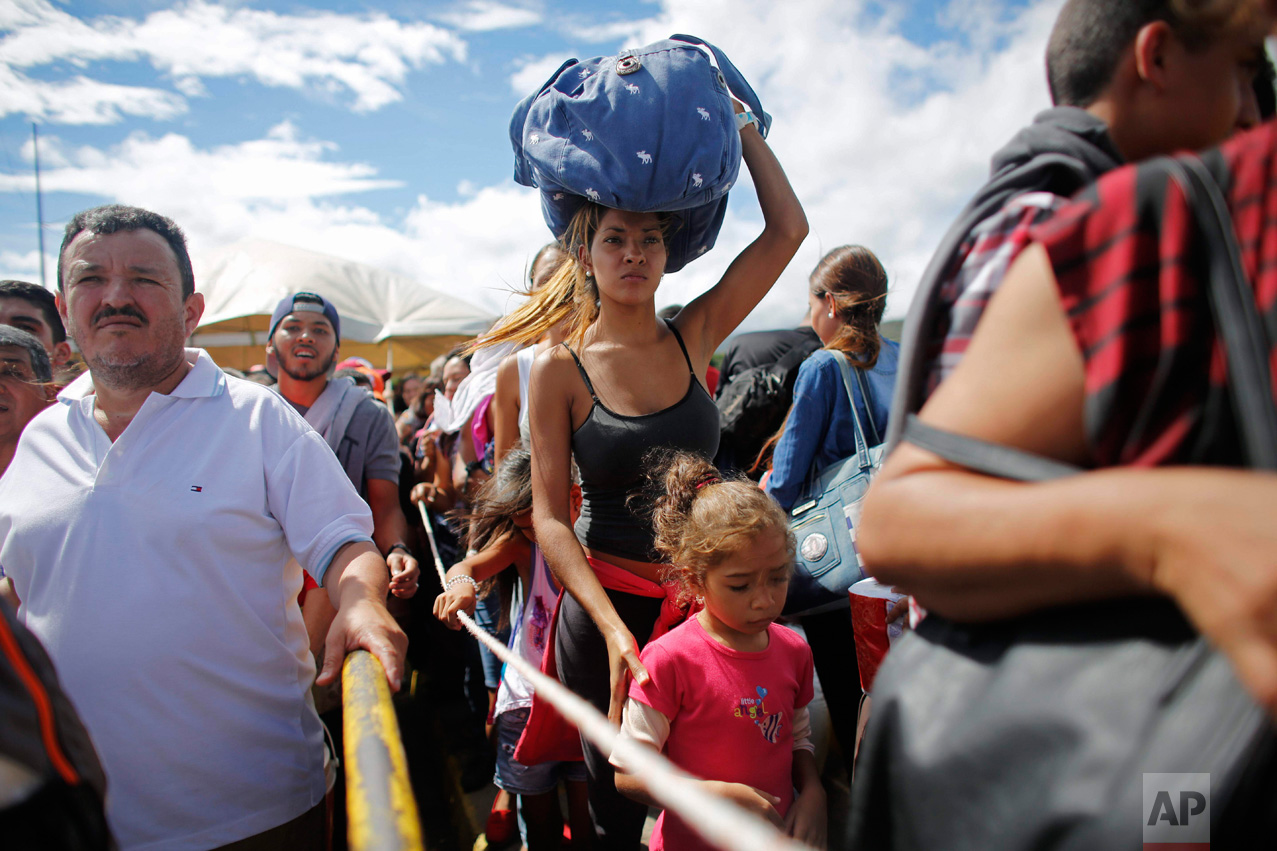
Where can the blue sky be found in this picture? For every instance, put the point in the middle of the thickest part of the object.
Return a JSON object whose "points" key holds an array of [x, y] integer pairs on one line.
{"points": [[378, 131]]}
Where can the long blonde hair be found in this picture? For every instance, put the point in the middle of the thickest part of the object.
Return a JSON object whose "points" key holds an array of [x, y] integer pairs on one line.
{"points": [[570, 296]]}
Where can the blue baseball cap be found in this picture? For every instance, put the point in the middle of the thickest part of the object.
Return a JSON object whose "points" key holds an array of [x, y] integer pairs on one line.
{"points": [[305, 303]]}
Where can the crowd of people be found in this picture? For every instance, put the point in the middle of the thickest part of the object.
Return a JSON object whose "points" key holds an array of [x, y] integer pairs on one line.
{"points": [[188, 553]]}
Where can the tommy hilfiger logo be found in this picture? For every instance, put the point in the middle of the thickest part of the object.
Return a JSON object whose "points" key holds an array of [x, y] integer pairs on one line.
{"points": [[196, 489]]}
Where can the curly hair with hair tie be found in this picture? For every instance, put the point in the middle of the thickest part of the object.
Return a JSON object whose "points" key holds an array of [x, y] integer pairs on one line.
{"points": [[703, 518]]}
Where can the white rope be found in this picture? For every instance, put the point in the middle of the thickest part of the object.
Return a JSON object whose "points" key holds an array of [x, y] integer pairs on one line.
{"points": [[718, 821]]}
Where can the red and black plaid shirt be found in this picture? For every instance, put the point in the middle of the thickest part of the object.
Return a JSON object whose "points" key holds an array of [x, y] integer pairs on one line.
{"points": [[1128, 260]]}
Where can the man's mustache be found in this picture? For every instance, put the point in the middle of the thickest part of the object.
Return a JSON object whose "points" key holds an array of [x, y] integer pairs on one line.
{"points": [[126, 310]]}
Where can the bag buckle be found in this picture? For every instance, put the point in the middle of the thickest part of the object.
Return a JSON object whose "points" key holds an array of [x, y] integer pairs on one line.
{"points": [[627, 63], [814, 547]]}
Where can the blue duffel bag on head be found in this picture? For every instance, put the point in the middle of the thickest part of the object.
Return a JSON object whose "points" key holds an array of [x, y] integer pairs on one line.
{"points": [[648, 130]]}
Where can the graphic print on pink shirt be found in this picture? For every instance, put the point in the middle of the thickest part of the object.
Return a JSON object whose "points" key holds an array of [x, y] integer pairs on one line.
{"points": [[755, 709], [731, 712]]}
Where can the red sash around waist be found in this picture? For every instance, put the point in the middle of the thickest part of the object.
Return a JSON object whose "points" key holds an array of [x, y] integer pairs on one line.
{"points": [[548, 736]]}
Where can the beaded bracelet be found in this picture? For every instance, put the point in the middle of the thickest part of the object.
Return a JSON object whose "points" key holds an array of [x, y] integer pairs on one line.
{"points": [[462, 577]]}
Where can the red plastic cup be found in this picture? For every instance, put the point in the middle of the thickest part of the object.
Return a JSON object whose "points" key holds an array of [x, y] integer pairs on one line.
{"points": [[870, 603]]}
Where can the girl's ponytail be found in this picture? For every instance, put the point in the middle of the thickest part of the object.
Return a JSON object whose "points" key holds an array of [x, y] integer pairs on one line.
{"points": [[700, 518], [678, 478]]}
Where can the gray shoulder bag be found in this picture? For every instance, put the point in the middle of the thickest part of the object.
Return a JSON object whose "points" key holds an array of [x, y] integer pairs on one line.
{"points": [[1067, 729]]}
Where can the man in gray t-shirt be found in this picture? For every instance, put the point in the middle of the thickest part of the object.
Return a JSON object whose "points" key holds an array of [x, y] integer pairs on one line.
{"points": [[305, 337]]}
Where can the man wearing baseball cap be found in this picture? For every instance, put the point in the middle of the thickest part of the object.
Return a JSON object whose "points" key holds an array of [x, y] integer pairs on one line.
{"points": [[305, 338]]}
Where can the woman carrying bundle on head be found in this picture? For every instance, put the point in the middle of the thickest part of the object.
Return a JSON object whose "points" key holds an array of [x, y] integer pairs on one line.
{"points": [[622, 384]]}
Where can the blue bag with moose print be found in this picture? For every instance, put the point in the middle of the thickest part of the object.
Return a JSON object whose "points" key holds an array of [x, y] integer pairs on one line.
{"points": [[648, 130]]}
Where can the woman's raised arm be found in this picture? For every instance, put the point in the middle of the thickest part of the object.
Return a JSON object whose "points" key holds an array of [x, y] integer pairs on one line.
{"points": [[708, 319]]}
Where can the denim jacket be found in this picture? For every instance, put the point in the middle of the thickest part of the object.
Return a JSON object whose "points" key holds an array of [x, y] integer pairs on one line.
{"points": [[819, 430]]}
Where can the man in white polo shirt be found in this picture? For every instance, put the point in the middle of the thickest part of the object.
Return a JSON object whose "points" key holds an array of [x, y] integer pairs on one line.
{"points": [[147, 522]]}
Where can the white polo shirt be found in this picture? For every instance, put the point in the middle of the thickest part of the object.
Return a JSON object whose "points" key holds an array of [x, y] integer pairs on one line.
{"points": [[155, 569]]}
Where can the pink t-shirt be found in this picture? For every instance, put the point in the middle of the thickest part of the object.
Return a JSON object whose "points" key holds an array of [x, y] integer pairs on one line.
{"points": [[731, 713]]}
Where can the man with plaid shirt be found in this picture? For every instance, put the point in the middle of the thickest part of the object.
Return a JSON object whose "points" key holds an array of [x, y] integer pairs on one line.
{"points": [[1131, 80]]}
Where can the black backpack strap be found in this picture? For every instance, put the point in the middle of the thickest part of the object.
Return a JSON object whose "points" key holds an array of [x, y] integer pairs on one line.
{"points": [[1232, 299], [1237, 323], [792, 358], [980, 456], [924, 310]]}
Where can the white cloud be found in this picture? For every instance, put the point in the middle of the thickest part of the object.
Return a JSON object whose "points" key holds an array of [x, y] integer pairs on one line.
{"points": [[81, 100], [151, 171], [883, 139], [532, 72], [625, 31], [363, 57], [486, 16], [285, 188], [22, 266], [192, 87]]}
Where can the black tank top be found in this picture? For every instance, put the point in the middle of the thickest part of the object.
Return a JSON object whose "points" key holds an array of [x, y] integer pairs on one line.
{"points": [[609, 450]]}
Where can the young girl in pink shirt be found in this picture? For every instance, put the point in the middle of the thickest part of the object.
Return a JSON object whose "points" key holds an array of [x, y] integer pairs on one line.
{"points": [[728, 690]]}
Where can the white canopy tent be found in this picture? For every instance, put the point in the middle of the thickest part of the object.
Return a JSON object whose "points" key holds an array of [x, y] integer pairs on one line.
{"points": [[389, 319]]}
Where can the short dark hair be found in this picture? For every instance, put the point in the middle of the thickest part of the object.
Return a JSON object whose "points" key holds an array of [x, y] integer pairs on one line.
{"points": [[113, 218], [1090, 36], [40, 298], [358, 376], [41, 367], [459, 351]]}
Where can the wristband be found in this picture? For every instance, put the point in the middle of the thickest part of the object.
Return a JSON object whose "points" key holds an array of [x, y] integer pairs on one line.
{"points": [[461, 577], [394, 547], [747, 117]]}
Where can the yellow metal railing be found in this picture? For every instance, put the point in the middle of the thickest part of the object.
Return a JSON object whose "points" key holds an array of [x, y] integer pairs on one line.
{"points": [[381, 811]]}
